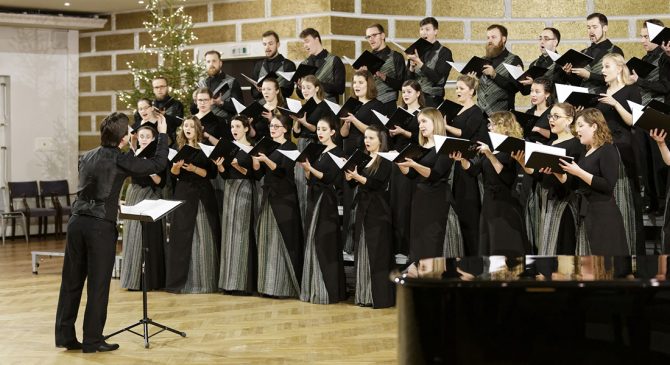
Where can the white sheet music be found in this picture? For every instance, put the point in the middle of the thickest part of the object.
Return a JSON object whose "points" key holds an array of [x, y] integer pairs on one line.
{"points": [[390, 155], [338, 161], [563, 91], [239, 107], [382, 118], [206, 149], [292, 154], [458, 66], [654, 30], [333, 106], [286, 75], [243, 147], [497, 139], [553, 55], [293, 105], [514, 71], [150, 208], [637, 109], [538, 147], [439, 141], [171, 153]]}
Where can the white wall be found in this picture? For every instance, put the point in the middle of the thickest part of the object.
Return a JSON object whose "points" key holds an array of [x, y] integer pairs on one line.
{"points": [[42, 65]]}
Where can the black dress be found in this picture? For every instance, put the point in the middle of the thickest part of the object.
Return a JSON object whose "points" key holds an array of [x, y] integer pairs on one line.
{"points": [[194, 190], [323, 280], [501, 224], [279, 202], [543, 123], [602, 220], [558, 231], [402, 189], [472, 124], [430, 209], [373, 234]]}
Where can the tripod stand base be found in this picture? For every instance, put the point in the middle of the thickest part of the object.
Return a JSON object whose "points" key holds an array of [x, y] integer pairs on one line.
{"points": [[145, 325]]}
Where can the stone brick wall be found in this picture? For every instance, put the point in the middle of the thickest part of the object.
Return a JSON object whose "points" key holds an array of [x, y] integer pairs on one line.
{"points": [[104, 53]]}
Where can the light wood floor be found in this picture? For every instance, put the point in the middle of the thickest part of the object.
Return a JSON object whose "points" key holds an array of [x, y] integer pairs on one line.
{"points": [[220, 329]]}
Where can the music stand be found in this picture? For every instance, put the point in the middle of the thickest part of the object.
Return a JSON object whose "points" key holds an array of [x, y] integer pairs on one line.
{"points": [[159, 212]]}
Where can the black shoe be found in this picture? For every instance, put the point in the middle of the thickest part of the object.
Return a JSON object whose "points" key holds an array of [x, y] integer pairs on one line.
{"points": [[102, 347], [75, 345]]}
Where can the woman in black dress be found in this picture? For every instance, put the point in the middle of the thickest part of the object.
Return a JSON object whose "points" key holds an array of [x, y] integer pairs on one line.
{"points": [[239, 255], [433, 233], [617, 113], [470, 123], [372, 228], [279, 232], [353, 127], [272, 98], [193, 252], [304, 129], [540, 97], [659, 136], [501, 224], [596, 173], [558, 209], [402, 187], [214, 126], [323, 279]]}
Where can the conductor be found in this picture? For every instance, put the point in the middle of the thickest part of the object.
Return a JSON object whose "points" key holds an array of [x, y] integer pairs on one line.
{"points": [[92, 234]]}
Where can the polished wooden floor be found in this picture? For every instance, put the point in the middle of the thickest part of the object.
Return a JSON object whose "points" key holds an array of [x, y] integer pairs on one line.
{"points": [[220, 329]]}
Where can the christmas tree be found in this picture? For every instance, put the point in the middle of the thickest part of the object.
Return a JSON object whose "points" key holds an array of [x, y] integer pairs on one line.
{"points": [[170, 31]]}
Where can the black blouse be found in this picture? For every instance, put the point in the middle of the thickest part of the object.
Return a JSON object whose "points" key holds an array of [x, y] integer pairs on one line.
{"points": [[603, 164], [616, 124], [399, 142], [281, 179], [440, 166], [472, 124], [332, 176], [556, 189], [542, 122], [244, 160], [366, 116], [216, 126]]}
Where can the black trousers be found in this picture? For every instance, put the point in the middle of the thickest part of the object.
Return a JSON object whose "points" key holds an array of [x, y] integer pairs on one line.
{"points": [[89, 253]]}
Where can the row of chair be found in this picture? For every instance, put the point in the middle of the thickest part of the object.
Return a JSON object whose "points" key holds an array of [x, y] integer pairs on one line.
{"points": [[42, 200]]}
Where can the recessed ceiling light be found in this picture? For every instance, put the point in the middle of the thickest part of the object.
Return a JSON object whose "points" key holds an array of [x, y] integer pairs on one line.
{"points": [[67, 4], [141, 2]]}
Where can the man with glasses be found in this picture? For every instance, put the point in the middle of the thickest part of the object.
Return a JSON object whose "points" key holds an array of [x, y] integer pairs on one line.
{"points": [[591, 76], [273, 62], [549, 40], [430, 69], [171, 108], [392, 74]]}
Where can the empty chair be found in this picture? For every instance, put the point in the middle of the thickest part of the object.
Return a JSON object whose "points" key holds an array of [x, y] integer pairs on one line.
{"points": [[30, 204], [7, 215], [53, 191]]}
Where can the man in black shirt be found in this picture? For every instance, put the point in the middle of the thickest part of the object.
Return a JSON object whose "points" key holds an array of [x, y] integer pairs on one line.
{"points": [[431, 68], [272, 63], [549, 40], [591, 76], [390, 77], [330, 69], [92, 234]]}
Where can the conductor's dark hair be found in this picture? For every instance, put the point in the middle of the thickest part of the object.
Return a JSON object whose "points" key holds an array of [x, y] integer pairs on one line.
{"points": [[501, 28], [556, 34], [113, 128], [430, 20], [271, 33], [213, 52], [379, 27], [601, 18], [653, 21], [310, 32]]}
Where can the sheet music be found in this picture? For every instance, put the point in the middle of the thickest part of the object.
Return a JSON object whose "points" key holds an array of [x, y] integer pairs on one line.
{"points": [[390, 155], [497, 139], [286, 75], [514, 71], [382, 118], [637, 110], [458, 66], [293, 105], [553, 55], [243, 147], [292, 154], [171, 153], [206, 149], [538, 147], [150, 207], [239, 107], [338, 161], [563, 91], [333, 106]]}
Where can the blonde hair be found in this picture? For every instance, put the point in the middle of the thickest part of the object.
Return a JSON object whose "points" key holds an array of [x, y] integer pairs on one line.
{"points": [[570, 112], [470, 82], [602, 134], [619, 61], [199, 131], [505, 122], [439, 126]]}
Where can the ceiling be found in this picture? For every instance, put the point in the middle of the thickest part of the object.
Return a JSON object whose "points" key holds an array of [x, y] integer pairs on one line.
{"points": [[83, 6]]}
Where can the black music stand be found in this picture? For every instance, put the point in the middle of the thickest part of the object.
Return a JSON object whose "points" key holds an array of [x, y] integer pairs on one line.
{"points": [[146, 321]]}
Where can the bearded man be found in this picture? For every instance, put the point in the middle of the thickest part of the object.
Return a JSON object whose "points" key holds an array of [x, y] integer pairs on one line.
{"points": [[224, 87], [497, 87]]}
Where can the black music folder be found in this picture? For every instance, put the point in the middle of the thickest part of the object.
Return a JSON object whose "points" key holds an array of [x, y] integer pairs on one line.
{"points": [[539, 160], [358, 160], [476, 65], [302, 71], [641, 68], [577, 59], [653, 119], [311, 153], [466, 147], [254, 110], [265, 146], [449, 109], [421, 46], [350, 106], [526, 120], [506, 144], [658, 34], [186, 153], [413, 152], [583, 99], [367, 59], [224, 148], [220, 90], [400, 118], [147, 152], [658, 105]]}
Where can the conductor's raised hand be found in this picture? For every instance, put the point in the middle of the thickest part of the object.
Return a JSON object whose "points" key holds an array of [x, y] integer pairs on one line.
{"points": [[162, 123]]}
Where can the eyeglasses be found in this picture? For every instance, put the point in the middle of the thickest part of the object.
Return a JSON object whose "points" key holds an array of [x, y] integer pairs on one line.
{"points": [[276, 126], [371, 35], [541, 38], [556, 116], [160, 87], [203, 100]]}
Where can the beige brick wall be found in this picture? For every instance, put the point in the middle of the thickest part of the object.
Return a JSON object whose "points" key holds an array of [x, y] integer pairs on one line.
{"points": [[104, 53]]}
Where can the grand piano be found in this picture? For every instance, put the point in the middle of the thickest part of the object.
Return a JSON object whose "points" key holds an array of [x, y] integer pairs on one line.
{"points": [[535, 310]]}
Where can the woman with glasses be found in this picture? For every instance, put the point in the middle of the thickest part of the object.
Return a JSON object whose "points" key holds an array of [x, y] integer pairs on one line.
{"points": [[617, 113], [601, 223], [272, 98], [470, 123], [214, 126], [279, 232], [501, 224], [558, 215]]}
